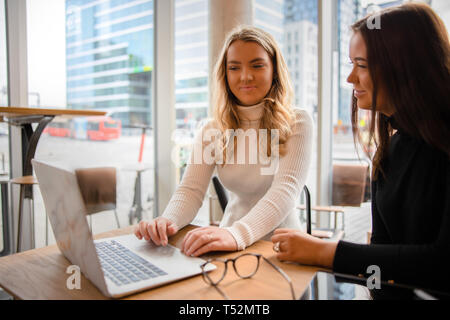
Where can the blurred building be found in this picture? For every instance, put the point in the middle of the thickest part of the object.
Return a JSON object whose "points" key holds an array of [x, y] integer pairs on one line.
{"points": [[191, 62], [109, 57], [301, 52], [349, 11], [269, 16], [191, 53]]}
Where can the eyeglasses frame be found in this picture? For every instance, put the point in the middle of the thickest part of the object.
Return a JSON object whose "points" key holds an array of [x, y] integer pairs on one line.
{"points": [[209, 281]]}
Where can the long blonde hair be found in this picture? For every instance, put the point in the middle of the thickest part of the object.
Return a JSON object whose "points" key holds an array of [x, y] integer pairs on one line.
{"points": [[278, 112]]}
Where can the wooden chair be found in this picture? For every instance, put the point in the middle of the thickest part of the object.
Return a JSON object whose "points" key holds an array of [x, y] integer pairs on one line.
{"points": [[330, 233], [349, 188], [349, 184], [98, 189]]}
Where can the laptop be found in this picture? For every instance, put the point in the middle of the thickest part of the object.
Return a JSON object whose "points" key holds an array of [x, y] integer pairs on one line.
{"points": [[117, 266]]}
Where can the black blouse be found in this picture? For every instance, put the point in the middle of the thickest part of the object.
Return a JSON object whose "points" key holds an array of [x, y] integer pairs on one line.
{"points": [[410, 219]]}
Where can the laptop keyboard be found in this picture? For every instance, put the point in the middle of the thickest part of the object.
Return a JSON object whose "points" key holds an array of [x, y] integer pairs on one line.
{"points": [[122, 266]]}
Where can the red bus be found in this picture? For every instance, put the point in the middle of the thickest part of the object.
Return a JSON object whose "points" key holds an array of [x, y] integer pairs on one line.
{"points": [[96, 128], [103, 128], [86, 128], [58, 129]]}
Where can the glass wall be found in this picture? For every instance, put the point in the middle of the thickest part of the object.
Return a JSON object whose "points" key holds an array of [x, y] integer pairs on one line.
{"points": [[191, 63], [351, 184], [269, 16], [442, 7], [301, 55], [95, 55], [4, 141], [191, 81]]}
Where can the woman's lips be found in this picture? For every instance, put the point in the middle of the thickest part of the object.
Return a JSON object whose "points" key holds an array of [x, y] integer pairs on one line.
{"points": [[247, 88], [359, 93]]}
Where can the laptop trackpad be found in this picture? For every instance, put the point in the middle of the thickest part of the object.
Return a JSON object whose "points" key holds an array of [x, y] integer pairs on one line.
{"points": [[168, 258]]}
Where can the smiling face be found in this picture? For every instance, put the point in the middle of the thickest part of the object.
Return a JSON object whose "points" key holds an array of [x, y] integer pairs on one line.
{"points": [[249, 72], [361, 79]]}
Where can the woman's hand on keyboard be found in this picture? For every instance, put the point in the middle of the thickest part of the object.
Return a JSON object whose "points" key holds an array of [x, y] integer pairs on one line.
{"points": [[206, 239], [157, 230]]}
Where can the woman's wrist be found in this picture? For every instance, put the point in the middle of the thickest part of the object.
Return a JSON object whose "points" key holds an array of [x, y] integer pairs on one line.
{"points": [[326, 252]]}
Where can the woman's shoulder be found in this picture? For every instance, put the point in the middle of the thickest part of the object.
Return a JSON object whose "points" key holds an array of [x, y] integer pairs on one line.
{"points": [[205, 129], [206, 125], [302, 119]]}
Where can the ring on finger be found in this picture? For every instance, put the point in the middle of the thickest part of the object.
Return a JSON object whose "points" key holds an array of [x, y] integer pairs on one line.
{"points": [[276, 247]]}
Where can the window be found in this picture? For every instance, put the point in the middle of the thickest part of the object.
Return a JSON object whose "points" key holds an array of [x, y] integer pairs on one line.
{"points": [[191, 63], [299, 19], [442, 8], [4, 140], [107, 49], [191, 81]]}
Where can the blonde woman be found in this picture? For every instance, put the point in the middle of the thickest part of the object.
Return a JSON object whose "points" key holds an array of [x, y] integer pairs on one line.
{"points": [[252, 93]]}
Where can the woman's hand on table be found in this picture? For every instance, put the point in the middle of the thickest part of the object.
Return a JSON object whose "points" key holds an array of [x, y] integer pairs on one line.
{"points": [[206, 239], [303, 248], [157, 230]]}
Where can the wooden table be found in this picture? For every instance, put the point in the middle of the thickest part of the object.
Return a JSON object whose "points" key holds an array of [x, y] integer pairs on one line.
{"points": [[25, 117], [41, 274]]}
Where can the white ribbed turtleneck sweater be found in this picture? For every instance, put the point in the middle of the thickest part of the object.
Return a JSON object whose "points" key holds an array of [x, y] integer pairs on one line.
{"points": [[257, 203]]}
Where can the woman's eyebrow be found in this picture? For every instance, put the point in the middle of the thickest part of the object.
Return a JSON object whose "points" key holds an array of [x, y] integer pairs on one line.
{"points": [[360, 59], [257, 60], [252, 61]]}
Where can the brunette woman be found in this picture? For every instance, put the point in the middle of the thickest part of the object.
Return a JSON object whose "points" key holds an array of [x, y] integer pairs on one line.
{"points": [[401, 72]]}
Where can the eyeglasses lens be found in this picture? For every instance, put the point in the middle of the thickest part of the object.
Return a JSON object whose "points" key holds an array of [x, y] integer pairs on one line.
{"points": [[246, 265]]}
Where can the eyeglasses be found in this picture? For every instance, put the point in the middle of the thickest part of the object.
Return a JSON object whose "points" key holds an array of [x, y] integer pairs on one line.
{"points": [[245, 266]]}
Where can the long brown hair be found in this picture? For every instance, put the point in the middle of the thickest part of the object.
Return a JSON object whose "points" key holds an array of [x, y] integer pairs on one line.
{"points": [[409, 59]]}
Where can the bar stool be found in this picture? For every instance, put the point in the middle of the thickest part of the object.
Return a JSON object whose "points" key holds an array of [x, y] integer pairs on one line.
{"points": [[24, 183], [136, 209]]}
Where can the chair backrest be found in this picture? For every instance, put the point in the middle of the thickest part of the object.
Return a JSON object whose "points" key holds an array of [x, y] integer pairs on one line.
{"points": [[98, 188], [221, 193], [308, 208], [223, 200], [349, 184]]}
